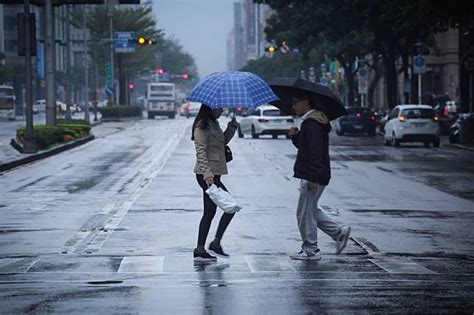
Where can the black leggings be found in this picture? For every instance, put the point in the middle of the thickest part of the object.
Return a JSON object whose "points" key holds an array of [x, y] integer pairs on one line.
{"points": [[210, 211]]}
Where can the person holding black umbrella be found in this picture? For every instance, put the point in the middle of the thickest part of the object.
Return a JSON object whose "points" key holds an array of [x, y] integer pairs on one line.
{"points": [[312, 166]]}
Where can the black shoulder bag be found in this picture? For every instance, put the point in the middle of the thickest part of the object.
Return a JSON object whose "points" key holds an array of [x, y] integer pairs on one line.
{"points": [[228, 154]]}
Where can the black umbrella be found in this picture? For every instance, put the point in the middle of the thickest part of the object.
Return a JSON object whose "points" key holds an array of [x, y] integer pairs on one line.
{"points": [[321, 96]]}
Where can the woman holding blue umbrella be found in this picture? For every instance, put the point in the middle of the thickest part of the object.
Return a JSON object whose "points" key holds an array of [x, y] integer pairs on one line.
{"points": [[220, 90], [210, 141]]}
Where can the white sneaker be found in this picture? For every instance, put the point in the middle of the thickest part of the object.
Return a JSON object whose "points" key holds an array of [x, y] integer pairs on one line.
{"points": [[302, 255], [341, 239]]}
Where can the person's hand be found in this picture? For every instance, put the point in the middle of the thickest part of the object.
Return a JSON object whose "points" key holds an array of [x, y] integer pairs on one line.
{"points": [[210, 181], [233, 123], [293, 131], [312, 185]]}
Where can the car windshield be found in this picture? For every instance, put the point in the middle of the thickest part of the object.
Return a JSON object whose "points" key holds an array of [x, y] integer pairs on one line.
{"points": [[271, 112], [360, 111], [418, 113]]}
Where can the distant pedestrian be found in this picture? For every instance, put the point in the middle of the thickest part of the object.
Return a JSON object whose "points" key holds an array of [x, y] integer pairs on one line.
{"points": [[312, 166], [210, 141]]}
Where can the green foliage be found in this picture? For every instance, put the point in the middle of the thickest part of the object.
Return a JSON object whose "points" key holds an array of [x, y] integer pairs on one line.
{"points": [[120, 111]]}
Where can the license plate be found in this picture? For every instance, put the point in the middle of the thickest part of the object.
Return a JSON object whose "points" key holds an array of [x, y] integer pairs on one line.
{"points": [[358, 127], [419, 125]]}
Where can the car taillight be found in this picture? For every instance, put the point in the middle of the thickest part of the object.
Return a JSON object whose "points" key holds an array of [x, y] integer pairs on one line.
{"points": [[402, 118], [289, 120], [358, 115], [372, 117], [262, 120]]}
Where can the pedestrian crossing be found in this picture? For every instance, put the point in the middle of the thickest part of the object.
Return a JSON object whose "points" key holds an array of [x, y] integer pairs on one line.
{"points": [[237, 264]]}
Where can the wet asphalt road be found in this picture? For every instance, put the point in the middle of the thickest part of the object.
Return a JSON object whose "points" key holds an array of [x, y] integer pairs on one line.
{"points": [[110, 227]]}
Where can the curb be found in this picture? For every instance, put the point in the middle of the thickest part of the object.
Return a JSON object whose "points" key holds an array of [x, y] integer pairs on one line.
{"points": [[460, 146], [39, 156]]}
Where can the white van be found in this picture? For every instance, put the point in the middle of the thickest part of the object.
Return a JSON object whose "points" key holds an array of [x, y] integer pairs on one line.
{"points": [[161, 99], [7, 102]]}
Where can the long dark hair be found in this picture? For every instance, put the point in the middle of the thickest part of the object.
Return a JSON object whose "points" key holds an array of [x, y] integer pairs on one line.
{"points": [[201, 120]]}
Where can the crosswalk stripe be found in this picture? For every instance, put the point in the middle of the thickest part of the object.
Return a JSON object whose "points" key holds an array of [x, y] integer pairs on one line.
{"points": [[142, 264]]}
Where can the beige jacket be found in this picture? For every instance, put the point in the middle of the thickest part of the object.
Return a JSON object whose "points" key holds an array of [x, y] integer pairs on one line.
{"points": [[210, 155]]}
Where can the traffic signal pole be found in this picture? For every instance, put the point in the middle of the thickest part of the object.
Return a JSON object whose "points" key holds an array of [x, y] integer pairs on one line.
{"points": [[86, 66], [29, 142]]}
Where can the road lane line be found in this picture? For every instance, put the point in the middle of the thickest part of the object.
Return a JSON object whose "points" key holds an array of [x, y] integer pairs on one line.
{"points": [[142, 264]]}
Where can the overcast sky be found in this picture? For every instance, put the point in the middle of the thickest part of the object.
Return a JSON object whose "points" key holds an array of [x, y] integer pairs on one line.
{"points": [[201, 27]]}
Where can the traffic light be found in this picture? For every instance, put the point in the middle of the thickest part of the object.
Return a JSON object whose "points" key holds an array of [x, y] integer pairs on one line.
{"points": [[185, 76], [142, 40], [159, 71], [131, 86], [271, 49]]}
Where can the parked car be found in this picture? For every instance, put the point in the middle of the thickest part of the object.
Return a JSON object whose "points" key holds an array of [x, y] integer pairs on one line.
{"points": [[358, 120], [193, 109], [448, 114], [265, 120], [412, 123]]}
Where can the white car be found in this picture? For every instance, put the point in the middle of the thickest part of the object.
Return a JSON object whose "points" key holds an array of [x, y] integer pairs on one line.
{"points": [[412, 123], [265, 120], [39, 106]]}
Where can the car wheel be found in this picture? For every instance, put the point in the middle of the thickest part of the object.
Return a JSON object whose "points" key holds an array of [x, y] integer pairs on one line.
{"points": [[151, 116], [426, 144], [239, 132], [254, 134], [436, 143], [274, 136], [287, 136], [395, 141], [371, 133], [387, 143]]}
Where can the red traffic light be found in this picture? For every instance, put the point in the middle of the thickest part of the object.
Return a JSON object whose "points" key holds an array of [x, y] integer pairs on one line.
{"points": [[185, 76], [131, 85], [160, 71]]}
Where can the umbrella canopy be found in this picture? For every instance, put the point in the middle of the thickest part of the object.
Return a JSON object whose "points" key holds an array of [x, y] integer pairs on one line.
{"points": [[232, 89], [321, 96]]}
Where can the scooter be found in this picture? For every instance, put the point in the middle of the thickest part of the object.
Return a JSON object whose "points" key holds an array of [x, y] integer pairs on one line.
{"points": [[455, 129]]}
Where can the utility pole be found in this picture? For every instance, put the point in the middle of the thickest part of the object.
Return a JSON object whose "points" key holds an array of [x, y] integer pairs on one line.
{"points": [[110, 6], [86, 66], [29, 143], [50, 65], [68, 63]]}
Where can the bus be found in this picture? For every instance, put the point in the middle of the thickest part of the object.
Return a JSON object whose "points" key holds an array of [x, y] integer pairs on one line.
{"points": [[161, 100], [7, 102]]}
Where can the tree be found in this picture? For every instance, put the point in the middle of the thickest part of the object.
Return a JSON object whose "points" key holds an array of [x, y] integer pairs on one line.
{"points": [[138, 20]]}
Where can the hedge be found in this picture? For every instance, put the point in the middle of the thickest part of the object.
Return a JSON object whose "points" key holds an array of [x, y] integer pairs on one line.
{"points": [[120, 111], [47, 136], [62, 121]]}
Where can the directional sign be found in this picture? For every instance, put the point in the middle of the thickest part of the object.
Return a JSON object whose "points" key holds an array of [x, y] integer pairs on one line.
{"points": [[419, 64], [108, 75], [124, 42], [362, 80]]}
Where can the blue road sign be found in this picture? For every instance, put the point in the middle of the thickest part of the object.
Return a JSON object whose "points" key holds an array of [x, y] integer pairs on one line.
{"points": [[419, 64], [109, 91], [124, 42]]}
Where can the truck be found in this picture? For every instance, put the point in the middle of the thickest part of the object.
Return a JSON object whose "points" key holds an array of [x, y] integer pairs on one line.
{"points": [[7, 102], [161, 99]]}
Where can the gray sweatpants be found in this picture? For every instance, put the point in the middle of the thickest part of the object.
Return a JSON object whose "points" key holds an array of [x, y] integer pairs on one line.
{"points": [[310, 217]]}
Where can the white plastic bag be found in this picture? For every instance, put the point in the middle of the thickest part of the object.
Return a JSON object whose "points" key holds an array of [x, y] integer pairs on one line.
{"points": [[223, 199]]}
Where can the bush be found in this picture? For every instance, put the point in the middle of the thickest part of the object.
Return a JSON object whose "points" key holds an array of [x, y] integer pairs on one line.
{"points": [[62, 121], [47, 136], [120, 111]]}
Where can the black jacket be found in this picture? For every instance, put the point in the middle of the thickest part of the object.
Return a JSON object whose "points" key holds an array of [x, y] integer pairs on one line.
{"points": [[312, 161]]}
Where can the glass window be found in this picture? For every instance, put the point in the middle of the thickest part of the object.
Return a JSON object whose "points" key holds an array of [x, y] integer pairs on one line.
{"points": [[271, 112], [414, 113]]}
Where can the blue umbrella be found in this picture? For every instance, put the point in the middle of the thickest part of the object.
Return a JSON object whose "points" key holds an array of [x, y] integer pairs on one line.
{"points": [[232, 89]]}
